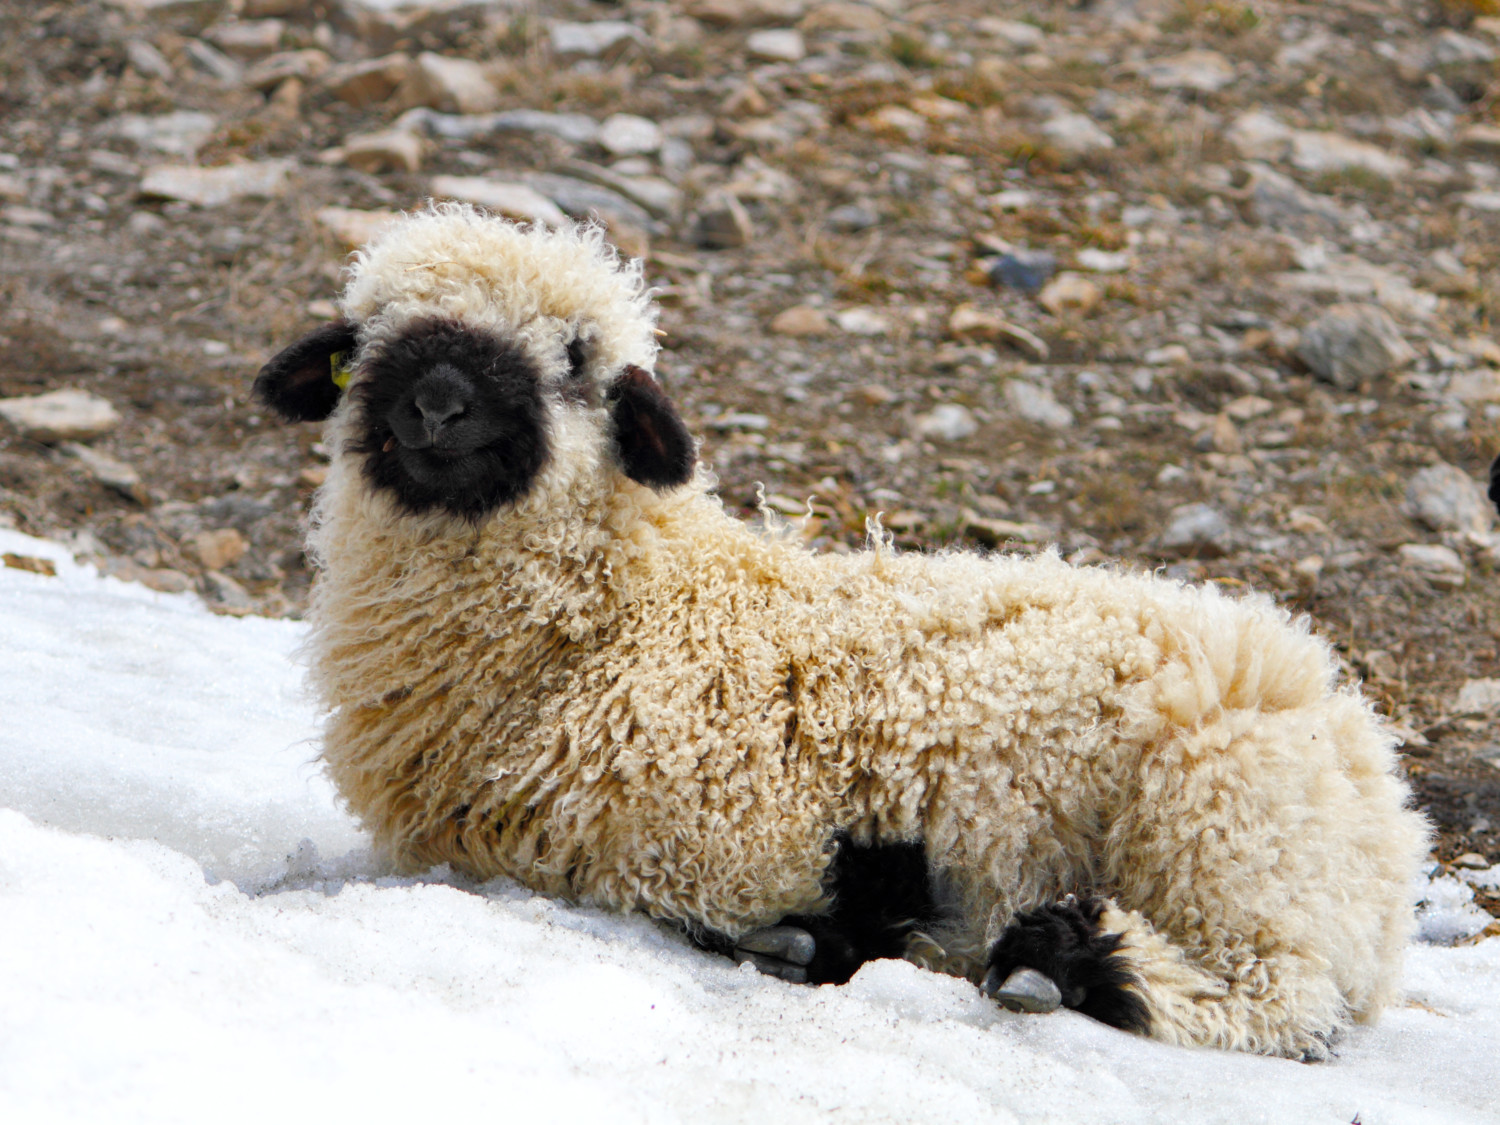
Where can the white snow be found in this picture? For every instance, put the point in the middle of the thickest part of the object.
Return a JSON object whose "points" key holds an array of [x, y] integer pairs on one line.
{"points": [[192, 930]]}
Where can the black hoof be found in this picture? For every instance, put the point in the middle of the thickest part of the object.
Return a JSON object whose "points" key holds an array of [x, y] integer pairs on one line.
{"points": [[1065, 944], [778, 951]]}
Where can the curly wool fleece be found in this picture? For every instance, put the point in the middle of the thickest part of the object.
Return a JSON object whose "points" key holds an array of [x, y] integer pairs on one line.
{"points": [[630, 699]]}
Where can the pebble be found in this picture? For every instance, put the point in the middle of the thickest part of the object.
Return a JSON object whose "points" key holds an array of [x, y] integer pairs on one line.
{"points": [[161, 579], [1037, 405], [219, 548], [970, 322], [369, 81], [1076, 134], [575, 128], [1257, 135], [1445, 498], [579, 198], [1022, 36], [1480, 385], [273, 70], [214, 62], [1471, 861], [226, 595], [388, 150], [591, 40], [1103, 261], [862, 322], [1478, 695], [732, 13], [516, 201], [147, 60], [1332, 152], [661, 198], [625, 134], [1069, 292], [801, 321], [448, 85], [354, 227], [63, 415], [721, 222], [851, 217], [1195, 529], [107, 470], [247, 39], [1198, 70], [180, 133], [1438, 564], [214, 187], [949, 422], [776, 45], [1351, 344], [1026, 270]]}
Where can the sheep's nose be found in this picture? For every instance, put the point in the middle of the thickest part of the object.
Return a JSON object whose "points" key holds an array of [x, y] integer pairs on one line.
{"points": [[440, 397]]}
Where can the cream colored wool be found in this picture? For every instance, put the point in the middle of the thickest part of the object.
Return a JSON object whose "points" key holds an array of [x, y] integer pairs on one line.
{"points": [[632, 700]]}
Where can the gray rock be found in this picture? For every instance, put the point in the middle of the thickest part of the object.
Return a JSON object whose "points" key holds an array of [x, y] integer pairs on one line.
{"points": [[1438, 564], [1445, 498], [1332, 152], [1352, 343], [851, 217], [275, 69], [180, 133], [625, 134], [214, 62], [575, 128], [1198, 70], [1259, 136], [1076, 134], [247, 39], [107, 470], [949, 422], [579, 198], [591, 40], [1195, 529], [387, 150], [65, 415], [214, 187], [1282, 203], [658, 197], [369, 81], [1037, 405], [721, 222], [147, 60], [1026, 270], [1478, 695], [781, 44], [225, 594], [516, 201], [448, 85]]}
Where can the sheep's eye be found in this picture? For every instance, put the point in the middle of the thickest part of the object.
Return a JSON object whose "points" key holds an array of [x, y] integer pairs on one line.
{"points": [[576, 356]]}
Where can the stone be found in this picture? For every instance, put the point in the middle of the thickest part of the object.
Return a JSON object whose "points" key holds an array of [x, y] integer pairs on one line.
{"points": [[1471, 861], [721, 222], [447, 84], [851, 217], [592, 40], [1094, 260], [390, 150], [658, 197], [862, 322], [1021, 36], [1259, 136], [1026, 270], [781, 44], [353, 227], [147, 60], [1450, 46], [625, 134], [1481, 200], [949, 422], [214, 187], [305, 66], [1479, 385], [801, 321], [1195, 530], [180, 133], [107, 470], [368, 82], [744, 13], [1438, 564], [247, 39], [1351, 344], [1198, 70], [970, 322], [896, 119], [1478, 695], [1485, 137], [1445, 498], [580, 198], [1069, 292], [1076, 134], [516, 201], [219, 548], [64, 415], [225, 595], [1318, 152], [213, 62], [1037, 405], [841, 16], [575, 128], [31, 564], [1280, 202]]}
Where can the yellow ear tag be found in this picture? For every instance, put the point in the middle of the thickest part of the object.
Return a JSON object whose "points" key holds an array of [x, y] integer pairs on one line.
{"points": [[341, 371]]}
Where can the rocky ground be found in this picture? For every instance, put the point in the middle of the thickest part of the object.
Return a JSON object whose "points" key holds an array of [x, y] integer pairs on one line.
{"points": [[1191, 284]]}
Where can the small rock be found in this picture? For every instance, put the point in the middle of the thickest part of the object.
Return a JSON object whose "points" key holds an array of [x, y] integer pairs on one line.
{"points": [[896, 119], [273, 70], [147, 60], [1480, 136], [1195, 530], [516, 201], [161, 579], [1026, 270], [1450, 46], [1331, 152], [1259, 136], [214, 187], [32, 564], [214, 62], [1479, 385], [659, 197], [1103, 261], [65, 415], [721, 223], [1225, 436], [1445, 498], [776, 45], [579, 198], [1438, 564], [1037, 405], [218, 549], [369, 81], [851, 217], [1022, 36], [180, 133], [801, 321], [448, 85], [1203, 71], [1247, 407], [385, 151], [1352, 343], [948, 422], [1069, 291], [744, 13], [575, 128], [1076, 134], [354, 227], [592, 40], [1481, 200], [625, 134], [840, 16], [1471, 861], [1307, 571], [862, 322], [1478, 695], [107, 471], [247, 39], [226, 595], [1280, 202], [969, 322], [994, 533]]}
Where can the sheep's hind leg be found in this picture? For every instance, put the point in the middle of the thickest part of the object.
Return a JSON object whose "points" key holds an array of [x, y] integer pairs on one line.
{"points": [[880, 895]]}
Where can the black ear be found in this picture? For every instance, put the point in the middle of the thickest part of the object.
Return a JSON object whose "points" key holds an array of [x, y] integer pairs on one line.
{"points": [[298, 382], [655, 447], [1495, 481]]}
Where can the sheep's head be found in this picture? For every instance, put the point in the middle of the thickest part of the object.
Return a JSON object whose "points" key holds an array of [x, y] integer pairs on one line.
{"points": [[466, 341]]}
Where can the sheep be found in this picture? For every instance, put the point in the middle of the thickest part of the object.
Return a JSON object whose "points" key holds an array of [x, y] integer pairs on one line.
{"points": [[548, 653]]}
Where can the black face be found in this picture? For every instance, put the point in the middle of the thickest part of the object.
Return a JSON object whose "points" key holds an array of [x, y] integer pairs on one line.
{"points": [[450, 419]]}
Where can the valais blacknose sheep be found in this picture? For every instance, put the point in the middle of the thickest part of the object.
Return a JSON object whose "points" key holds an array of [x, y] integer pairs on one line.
{"points": [[548, 653]]}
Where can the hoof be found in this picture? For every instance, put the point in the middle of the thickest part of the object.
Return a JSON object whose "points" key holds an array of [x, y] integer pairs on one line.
{"points": [[783, 952], [1024, 990]]}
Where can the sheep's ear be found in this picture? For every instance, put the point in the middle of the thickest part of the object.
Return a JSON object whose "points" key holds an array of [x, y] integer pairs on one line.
{"points": [[1495, 481], [654, 445], [299, 381]]}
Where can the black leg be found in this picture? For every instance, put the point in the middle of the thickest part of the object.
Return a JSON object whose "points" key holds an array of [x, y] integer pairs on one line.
{"points": [[1065, 943]]}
